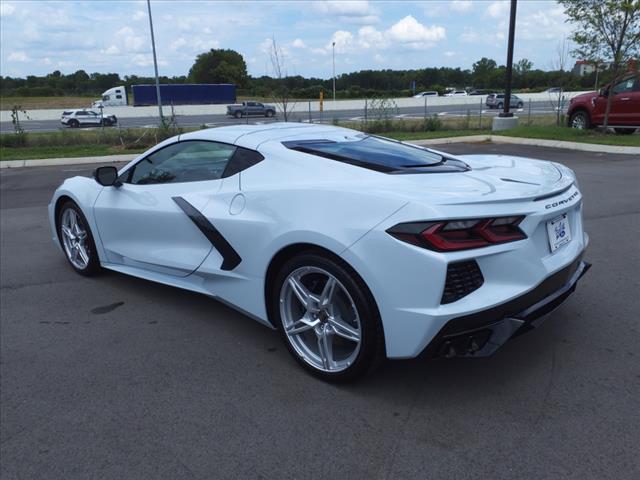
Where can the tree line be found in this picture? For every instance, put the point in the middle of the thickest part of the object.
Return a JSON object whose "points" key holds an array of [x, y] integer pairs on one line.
{"points": [[228, 66]]}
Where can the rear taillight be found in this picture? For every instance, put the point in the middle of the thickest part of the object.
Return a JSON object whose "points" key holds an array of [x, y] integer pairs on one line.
{"points": [[453, 235]]}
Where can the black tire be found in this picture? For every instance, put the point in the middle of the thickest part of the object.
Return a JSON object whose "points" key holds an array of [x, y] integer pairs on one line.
{"points": [[372, 351], [238, 114], [624, 131], [520, 105], [269, 113], [580, 120], [500, 105], [74, 123], [93, 266]]}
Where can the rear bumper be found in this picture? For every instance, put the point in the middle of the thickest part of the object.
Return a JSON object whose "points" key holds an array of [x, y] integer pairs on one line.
{"points": [[482, 333]]}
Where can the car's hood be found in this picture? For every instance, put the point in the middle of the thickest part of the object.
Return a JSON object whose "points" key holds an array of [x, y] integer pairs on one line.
{"points": [[492, 178], [585, 96]]}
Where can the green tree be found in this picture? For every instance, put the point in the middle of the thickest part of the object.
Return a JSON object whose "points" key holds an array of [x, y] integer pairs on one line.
{"points": [[482, 71], [219, 66], [606, 30]]}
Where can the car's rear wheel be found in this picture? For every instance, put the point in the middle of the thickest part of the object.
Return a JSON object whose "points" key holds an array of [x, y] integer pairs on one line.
{"points": [[76, 240], [500, 105], [624, 131], [74, 123], [327, 317], [238, 115], [580, 120]]}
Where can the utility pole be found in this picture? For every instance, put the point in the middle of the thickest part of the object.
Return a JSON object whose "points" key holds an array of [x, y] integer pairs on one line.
{"points": [[155, 63], [512, 31], [333, 46]]}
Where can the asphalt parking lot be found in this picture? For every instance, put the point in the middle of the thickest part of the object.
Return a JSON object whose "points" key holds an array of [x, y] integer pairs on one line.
{"points": [[115, 377]]}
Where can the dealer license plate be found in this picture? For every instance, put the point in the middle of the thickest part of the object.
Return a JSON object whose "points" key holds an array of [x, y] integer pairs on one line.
{"points": [[559, 232]]}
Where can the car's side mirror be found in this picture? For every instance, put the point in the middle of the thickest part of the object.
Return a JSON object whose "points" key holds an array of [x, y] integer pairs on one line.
{"points": [[603, 92], [107, 176]]}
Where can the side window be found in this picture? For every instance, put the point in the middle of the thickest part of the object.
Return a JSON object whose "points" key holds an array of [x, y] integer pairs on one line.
{"points": [[624, 87], [81, 114], [241, 160], [118, 96], [189, 161]]}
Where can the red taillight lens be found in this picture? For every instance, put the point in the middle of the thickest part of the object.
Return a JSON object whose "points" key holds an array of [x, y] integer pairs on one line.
{"points": [[453, 235]]}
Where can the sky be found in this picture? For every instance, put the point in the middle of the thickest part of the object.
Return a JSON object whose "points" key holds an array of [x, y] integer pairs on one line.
{"points": [[38, 37]]}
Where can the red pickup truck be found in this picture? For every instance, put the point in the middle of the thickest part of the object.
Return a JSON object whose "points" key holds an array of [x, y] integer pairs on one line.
{"points": [[587, 110]]}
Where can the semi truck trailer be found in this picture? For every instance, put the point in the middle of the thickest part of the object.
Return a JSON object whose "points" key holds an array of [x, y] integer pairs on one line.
{"points": [[170, 94]]}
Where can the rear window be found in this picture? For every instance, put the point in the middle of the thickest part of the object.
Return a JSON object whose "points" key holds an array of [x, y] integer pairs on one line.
{"points": [[374, 153], [67, 112]]}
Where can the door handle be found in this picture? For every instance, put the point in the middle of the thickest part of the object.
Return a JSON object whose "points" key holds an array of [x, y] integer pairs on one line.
{"points": [[625, 98]]}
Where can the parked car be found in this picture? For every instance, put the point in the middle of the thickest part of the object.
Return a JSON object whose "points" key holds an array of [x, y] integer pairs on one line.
{"points": [[250, 109], [479, 91], [587, 110], [425, 253], [426, 94], [456, 93], [83, 118], [496, 100]]}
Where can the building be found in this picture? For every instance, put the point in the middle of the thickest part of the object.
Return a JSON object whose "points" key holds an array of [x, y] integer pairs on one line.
{"points": [[583, 67]]}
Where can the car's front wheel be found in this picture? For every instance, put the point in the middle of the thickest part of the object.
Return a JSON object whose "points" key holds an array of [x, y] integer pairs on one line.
{"points": [[327, 317], [580, 120], [76, 240], [269, 113], [238, 114], [74, 123]]}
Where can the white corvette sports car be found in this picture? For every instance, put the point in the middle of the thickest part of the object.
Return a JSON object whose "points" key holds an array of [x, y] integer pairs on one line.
{"points": [[354, 247]]}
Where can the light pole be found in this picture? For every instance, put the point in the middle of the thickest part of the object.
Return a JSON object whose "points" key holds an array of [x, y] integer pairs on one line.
{"points": [[155, 63], [512, 30], [333, 47]]}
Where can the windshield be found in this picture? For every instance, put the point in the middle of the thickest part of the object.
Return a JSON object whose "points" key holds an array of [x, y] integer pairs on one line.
{"points": [[373, 152]]}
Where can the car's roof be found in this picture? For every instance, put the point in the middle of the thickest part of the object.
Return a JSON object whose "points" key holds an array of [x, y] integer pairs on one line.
{"points": [[251, 136]]}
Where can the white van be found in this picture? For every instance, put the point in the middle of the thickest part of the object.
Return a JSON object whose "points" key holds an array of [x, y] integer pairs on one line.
{"points": [[115, 96]]}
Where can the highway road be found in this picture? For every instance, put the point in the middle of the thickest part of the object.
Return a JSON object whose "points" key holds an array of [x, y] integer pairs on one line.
{"points": [[474, 109], [113, 377]]}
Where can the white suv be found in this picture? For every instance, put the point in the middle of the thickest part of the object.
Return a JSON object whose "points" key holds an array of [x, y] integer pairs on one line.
{"points": [[78, 118]]}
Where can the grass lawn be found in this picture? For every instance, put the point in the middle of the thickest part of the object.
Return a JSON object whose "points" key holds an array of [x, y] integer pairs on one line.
{"points": [[65, 151], [572, 135], [32, 103], [430, 135]]}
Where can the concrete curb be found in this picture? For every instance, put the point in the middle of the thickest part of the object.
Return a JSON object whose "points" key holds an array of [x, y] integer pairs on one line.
{"points": [[46, 162], [537, 142]]}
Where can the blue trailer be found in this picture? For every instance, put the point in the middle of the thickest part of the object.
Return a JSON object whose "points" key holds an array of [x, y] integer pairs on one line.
{"points": [[184, 94]]}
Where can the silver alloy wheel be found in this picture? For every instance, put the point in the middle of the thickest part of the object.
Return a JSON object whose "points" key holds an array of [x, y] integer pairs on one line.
{"points": [[320, 319], [74, 239], [578, 121]]}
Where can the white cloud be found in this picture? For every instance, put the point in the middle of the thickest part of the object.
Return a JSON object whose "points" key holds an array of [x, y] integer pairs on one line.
{"points": [[498, 9], [348, 11], [18, 57], [132, 42], [111, 50], [6, 9], [177, 44], [409, 30], [139, 15], [449, 54], [298, 43], [343, 41], [369, 37], [461, 5]]}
